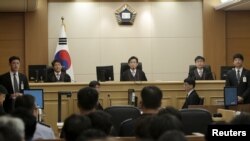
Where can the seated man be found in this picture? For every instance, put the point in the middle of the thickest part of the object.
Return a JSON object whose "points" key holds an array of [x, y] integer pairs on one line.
{"points": [[151, 97], [57, 75], [42, 131], [133, 74], [97, 86], [3, 92], [192, 97], [200, 73]]}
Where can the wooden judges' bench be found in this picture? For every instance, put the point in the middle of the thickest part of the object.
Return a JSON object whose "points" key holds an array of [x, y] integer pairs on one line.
{"points": [[116, 93]]}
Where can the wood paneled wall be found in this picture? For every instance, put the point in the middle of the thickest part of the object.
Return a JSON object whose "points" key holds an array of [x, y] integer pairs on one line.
{"points": [[214, 36], [11, 38], [36, 35], [26, 35], [238, 35]]}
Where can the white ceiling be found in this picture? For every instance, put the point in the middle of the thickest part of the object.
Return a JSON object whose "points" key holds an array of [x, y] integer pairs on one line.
{"points": [[234, 5]]}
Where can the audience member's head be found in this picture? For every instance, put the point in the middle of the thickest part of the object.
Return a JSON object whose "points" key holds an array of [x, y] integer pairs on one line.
{"points": [[27, 102], [3, 92], [29, 121], [142, 127], [173, 135], [17, 126], [57, 65], [87, 99], [91, 134], [14, 63], [133, 62], [199, 62], [189, 84], [163, 123], [242, 119], [171, 110], [151, 98], [238, 60], [74, 125], [101, 120], [95, 84], [8, 133]]}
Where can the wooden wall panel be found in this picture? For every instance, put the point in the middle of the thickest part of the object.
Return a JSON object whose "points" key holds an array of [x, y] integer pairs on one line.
{"points": [[36, 35], [214, 36], [11, 39], [238, 35]]}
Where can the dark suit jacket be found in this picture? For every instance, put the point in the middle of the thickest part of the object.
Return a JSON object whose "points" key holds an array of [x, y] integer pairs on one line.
{"points": [[207, 75], [192, 99], [243, 87], [64, 77], [139, 76], [5, 80]]}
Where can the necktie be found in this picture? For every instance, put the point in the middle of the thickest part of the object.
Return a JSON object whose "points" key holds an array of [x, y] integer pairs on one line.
{"points": [[133, 73], [58, 76], [200, 73], [238, 75], [15, 84]]}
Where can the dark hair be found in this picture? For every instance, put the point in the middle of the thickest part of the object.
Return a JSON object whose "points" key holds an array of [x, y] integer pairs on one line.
{"points": [[94, 83], [173, 135], [87, 98], [133, 57], [190, 81], [8, 133], [163, 123], [3, 90], [243, 118], [91, 134], [74, 125], [151, 97], [171, 110], [238, 55], [142, 126], [55, 61], [12, 58], [28, 119], [199, 57], [101, 120], [26, 101]]}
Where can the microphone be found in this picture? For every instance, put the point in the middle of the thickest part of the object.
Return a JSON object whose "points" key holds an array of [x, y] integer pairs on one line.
{"points": [[109, 100]]}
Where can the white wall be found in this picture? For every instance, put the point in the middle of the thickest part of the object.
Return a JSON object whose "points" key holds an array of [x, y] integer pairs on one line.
{"points": [[166, 37]]}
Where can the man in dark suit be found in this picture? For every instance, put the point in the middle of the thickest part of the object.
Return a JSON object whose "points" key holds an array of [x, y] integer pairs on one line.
{"points": [[95, 84], [3, 92], [200, 72], [14, 82], [192, 97], [57, 75], [239, 77], [133, 74]]}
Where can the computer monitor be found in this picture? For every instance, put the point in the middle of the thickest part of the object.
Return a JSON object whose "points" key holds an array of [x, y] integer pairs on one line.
{"points": [[105, 73], [38, 94], [37, 72], [224, 70], [230, 96]]}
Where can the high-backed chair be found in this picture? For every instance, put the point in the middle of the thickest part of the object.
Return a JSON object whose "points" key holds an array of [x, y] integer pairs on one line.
{"points": [[207, 67], [224, 70], [121, 113], [195, 120], [193, 67], [125, 66]]}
